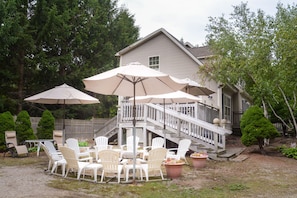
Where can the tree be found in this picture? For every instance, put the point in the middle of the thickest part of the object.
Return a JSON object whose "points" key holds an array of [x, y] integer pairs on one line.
{"points": [[72, 40], [46, 125], [6, 124], [255, 52], [23, 127], [255, 128]]}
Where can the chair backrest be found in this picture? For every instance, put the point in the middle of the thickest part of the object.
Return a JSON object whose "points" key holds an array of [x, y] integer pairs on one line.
{"points": [[109, 160], [101, 142], [183, 147], [157, 142], [58, 137], [130, 143], [10, 137], [155, 158], [73, 144], [51, 157], [50, 147], [70, 157]]}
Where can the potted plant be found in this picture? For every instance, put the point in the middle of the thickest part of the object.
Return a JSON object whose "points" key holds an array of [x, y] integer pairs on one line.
{"points": [[173, 168], [199, 159]]}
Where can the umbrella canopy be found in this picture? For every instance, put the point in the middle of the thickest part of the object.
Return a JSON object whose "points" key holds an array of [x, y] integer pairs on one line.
{"points": [[63, 94], [122, 81], [174, 97], [133, 79], [194, 88]]}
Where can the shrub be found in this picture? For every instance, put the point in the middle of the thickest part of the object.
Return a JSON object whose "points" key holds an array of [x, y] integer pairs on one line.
{"points": [[255, 127], [6, 124], [23, 127], [46, 125]]}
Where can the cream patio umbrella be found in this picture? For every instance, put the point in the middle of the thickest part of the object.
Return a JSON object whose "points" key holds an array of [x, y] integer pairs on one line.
{"points": [[132, 80], [194, 88], [63, 94], [169, 98]]}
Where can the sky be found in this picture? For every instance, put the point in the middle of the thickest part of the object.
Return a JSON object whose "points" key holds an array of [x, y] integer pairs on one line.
{"points": [[187, 19]]}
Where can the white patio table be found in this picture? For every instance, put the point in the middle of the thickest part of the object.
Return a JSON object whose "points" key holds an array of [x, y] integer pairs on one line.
{"points": [[38, 142]]}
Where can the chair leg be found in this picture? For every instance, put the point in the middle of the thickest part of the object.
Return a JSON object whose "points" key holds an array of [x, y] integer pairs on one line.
{"points": [[102, 176]]}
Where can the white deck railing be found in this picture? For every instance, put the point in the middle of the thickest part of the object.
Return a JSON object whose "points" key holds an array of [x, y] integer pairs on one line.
{"points": [[177, 122]]}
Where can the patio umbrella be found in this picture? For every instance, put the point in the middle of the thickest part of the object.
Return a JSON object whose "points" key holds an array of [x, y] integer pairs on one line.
{"points": [[133, 79], [193, 87], [169, 98], [63, 94]]}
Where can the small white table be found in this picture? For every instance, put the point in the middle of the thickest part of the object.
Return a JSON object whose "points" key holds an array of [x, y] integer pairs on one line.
{"points": [[38, 142]]}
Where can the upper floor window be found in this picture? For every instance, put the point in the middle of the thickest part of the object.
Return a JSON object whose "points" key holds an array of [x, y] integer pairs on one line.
{"points": [[154, 62]]}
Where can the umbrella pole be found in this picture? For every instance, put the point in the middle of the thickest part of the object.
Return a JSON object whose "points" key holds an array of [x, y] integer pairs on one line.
{"points": [[134, 132], [63, 123]]}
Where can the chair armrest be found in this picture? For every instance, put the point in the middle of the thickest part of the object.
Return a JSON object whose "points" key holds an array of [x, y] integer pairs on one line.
{"points": [[90, 159], [147, 147]]}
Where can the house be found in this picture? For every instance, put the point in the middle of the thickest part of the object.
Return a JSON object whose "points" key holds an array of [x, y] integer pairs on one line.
{"points": [[162, 51]]}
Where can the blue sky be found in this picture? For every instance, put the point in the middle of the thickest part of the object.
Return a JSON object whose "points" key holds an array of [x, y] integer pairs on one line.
{"points": [[187, 19]]}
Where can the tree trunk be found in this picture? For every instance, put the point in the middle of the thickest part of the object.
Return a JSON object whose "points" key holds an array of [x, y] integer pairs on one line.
{"points": [[21, 66]]}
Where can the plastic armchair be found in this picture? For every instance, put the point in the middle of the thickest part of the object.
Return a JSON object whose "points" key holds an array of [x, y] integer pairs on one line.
{"points": [[157, 142], [58, 137], [110, 162], [128, 148], [183, 148], [154, 163], [101, 143], [55, 160], [73, 163], [73, 144]]}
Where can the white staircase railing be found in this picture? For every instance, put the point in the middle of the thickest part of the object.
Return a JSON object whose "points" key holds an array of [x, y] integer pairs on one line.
{"points": [[205, 133]]}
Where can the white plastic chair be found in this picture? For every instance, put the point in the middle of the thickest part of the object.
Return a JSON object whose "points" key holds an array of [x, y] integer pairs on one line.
{"points": [[128, 148], [155, 159], [73, 163], [55, 160], [73, 143], [110, 162], [101, 143], [183, 147], [157, 142]]}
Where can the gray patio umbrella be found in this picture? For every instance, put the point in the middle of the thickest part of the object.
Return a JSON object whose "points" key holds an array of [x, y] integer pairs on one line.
{"points": [[132, 80], [63, 94], [173, 97]]}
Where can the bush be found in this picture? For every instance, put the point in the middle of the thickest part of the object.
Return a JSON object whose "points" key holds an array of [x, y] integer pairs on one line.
{"points": [[46, 125], [6, 124], [23, 127], [255, 127], [289, 152]]}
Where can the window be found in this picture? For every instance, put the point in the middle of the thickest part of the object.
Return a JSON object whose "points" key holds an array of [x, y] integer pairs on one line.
{"points": [[154, 62], [227, 107]]}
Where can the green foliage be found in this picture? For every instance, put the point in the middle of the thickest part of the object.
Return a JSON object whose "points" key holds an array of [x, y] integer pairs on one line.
{"points": [[72, 40], [255, 127], [83, 144], [6, 124], [46, 126], [257, 52], [289, 152], [23, 127]]}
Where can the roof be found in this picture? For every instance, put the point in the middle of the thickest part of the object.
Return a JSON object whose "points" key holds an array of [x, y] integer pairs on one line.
{"points": [[201, 52], [193, 52]]}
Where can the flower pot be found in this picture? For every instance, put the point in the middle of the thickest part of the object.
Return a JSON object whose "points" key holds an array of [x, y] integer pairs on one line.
{"points": [[174, 170], [199, 162]]}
